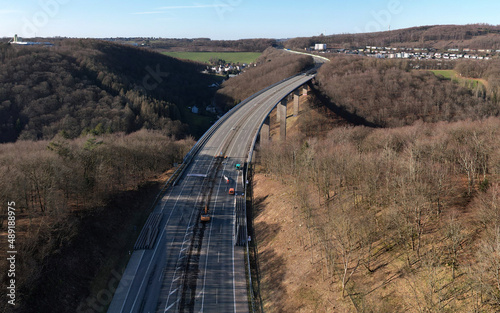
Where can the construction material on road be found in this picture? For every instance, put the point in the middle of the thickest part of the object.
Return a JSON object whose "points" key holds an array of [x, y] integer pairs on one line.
{"points": [[204, 215]]}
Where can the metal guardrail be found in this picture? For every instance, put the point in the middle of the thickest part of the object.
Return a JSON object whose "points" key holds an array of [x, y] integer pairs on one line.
{"points": [[249, 160]]}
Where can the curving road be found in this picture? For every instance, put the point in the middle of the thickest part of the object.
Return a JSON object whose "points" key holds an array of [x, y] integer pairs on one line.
{"points": [[195, 267]]}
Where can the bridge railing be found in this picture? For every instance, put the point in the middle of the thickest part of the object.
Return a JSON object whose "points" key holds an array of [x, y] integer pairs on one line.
{"points": [[249, 160]]}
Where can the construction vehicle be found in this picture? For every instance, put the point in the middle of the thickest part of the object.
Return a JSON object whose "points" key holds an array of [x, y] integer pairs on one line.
{"points": [[204, 215]]}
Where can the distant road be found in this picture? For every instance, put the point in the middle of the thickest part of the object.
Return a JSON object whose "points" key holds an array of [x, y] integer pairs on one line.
{"points": [[192, 266], [317, 58]]}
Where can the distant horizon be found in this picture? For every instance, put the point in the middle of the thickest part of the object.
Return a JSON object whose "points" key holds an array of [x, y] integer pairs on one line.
{"points": [[231, 19], [287, 38]]}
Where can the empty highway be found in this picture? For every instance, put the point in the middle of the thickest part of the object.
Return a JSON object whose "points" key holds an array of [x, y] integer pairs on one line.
{"points": [[193, 266]]}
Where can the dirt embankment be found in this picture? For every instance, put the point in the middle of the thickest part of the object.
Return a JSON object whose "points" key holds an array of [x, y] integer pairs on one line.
{"points": [[289, 254]]}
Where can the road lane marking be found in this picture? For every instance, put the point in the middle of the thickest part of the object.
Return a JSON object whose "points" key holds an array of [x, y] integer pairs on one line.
{"points": [[187, 230], [185, 183], [265, 99], [170, 306]]}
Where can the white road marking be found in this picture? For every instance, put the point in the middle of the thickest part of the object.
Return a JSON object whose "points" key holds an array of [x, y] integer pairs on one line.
{"points": [[187, 229], [170, 306], [156, 246], [173, 291]]}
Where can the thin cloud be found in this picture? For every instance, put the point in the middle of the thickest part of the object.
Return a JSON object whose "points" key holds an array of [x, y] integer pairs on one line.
{"points": [[163, 10], [198, 6], [152, 12]]}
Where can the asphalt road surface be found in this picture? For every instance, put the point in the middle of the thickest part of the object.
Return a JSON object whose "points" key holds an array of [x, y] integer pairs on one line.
{"points": [[193, 266]]}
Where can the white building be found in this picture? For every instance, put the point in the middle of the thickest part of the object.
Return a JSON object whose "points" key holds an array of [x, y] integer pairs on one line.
{"points": [[320, 47]]}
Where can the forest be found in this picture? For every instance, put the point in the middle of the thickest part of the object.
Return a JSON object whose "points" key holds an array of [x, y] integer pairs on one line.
{"points": [[208, 45], [88, 86], [393, 220], [401, 216], [77, 202], [474, 36], [393, 93]]}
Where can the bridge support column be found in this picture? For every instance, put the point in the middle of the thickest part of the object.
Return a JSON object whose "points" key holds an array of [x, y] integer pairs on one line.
{"points": [[305, 90], [296, 99], [278, 113], [265, 130], [282, 118]]}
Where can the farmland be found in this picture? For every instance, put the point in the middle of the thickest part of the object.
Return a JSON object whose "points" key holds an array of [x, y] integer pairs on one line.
{"points": [[205, 57]]}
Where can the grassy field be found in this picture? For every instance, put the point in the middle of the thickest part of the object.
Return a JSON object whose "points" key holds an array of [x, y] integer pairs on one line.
{"points": [[452, 75], [204, 57], [448, 74]]}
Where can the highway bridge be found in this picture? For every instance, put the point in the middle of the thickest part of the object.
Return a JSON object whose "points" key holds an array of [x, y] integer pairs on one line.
{"points": [[181, 264]]}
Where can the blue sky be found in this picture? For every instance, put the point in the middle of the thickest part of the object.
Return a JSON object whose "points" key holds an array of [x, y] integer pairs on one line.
{"points": [[232, 19]]}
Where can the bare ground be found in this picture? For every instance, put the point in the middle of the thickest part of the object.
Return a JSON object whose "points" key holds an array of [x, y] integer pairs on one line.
{"points": [[290, 263]]}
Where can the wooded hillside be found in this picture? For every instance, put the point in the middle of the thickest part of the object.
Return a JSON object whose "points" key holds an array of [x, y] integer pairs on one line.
{"points": [[391, 93], [384, 220], [273, 66], [89, 86], [475, 36], [77, 211]]}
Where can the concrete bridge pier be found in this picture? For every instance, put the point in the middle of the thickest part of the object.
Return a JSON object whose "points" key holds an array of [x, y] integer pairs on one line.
{"points": [[265, 133], [282, 118], [296, 100], [305, 90]]}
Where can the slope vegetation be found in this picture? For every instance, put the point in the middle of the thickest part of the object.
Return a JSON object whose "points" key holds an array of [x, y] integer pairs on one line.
{"points": [[475, 36], [388, 219], [390, 93], [82, 86], [273, 66]]}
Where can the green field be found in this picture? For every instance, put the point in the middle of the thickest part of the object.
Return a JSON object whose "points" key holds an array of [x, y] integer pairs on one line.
{"points": [[452, 75], [448, 74], [204, 57]]}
